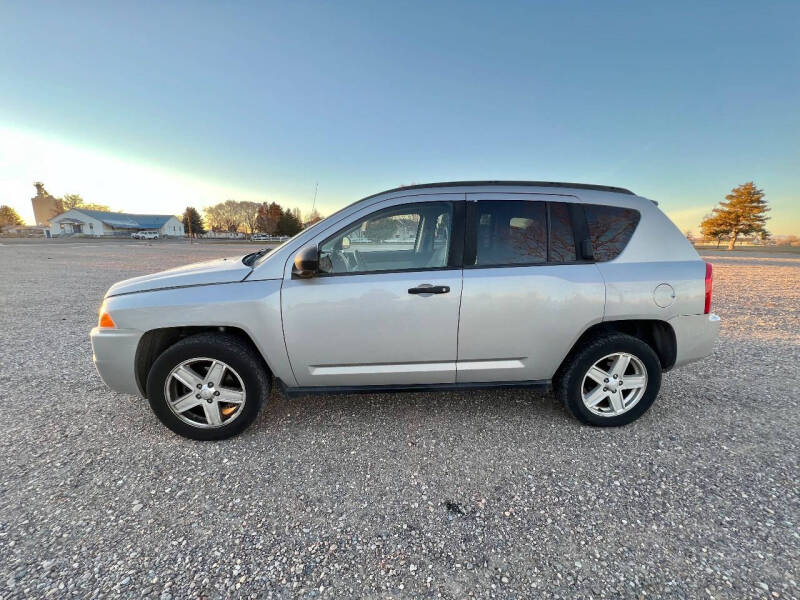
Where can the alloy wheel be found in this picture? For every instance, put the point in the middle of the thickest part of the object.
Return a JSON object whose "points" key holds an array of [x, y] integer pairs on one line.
{"points": [[205, 392], [614, 384]]}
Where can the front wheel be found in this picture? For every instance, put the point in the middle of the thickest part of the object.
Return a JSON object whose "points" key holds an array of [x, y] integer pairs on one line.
{"points": [[612, 381], [209, 386]]}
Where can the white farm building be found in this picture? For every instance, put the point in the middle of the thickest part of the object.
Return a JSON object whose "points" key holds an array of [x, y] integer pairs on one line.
{"points": [[101, 223]]}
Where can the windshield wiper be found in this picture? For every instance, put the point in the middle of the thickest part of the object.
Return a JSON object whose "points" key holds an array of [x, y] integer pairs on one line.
{"points": [[249, 259]]}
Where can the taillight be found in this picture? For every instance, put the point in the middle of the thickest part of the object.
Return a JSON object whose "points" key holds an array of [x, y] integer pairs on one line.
{"points": [[709, 286]]}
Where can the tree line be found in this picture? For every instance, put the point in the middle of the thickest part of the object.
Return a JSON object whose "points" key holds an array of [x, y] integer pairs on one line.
{"points": [[228, 216], [247, 217]]}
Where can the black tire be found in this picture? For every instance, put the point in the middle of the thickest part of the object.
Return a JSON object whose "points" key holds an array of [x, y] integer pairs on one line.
{"points": [[570, 381], [220, 346]]}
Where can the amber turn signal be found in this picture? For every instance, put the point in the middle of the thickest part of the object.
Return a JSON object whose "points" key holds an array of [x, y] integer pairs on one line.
{"points": [[106, 320]]}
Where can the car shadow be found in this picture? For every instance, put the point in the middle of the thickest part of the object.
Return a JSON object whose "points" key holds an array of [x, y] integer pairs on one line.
{"points": [[431, 407]]}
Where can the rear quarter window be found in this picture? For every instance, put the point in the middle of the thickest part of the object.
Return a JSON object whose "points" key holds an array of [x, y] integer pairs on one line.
{"points": [[610, 229]]}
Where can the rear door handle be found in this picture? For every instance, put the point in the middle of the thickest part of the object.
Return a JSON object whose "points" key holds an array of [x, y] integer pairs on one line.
{"points": [[427, 288]]}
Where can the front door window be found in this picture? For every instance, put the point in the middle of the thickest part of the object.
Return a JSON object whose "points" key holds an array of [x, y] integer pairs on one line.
{"points": [[402, 238]]}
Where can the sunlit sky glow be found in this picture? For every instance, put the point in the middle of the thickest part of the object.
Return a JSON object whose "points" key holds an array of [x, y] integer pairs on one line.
{"points": [[151, 107]]}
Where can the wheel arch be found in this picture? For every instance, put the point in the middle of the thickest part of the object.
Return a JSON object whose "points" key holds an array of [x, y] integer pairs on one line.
{"points": [[155, 341], [658, 334]]}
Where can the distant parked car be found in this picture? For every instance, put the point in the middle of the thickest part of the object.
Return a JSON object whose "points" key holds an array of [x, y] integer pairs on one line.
{"points": [[266, 237], [145, 235], [589, 290]]}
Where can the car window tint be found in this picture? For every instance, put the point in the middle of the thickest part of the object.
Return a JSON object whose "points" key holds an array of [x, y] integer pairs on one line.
{"points": [[562, 238], [511, 232], [415, 236], [610, 229]]}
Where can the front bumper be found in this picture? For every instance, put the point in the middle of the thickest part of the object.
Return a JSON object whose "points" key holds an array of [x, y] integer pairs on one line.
{"points": [[695, 336], [114, 356]]}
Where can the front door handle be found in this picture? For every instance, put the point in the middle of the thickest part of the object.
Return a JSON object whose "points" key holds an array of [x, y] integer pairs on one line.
{"points": [[427, 288]]}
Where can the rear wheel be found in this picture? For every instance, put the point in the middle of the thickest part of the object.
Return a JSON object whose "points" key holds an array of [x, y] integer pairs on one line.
{"points": [[209, 386], [612, 381]]}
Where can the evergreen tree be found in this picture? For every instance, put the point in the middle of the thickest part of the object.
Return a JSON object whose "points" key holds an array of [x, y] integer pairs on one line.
{"points": [[743, 212], [192, 222], [289, 224], [714, 227]]}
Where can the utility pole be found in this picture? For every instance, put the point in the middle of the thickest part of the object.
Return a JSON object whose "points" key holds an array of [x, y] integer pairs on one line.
{"points": [[189, 221]]}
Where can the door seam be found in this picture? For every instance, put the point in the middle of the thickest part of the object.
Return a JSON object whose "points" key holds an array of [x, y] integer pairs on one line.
{"points": [[461, 292], [283, 331]]}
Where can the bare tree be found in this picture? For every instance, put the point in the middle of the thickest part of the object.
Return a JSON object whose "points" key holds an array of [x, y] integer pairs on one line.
{"points": [[313, 217], [69, 201], [248, 214], [225, 216]]}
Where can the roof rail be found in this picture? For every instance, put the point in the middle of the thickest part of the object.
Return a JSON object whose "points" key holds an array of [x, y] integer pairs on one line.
{"points": [[553, 184]]}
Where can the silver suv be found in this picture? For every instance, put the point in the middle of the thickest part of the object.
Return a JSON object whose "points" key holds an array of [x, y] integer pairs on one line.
{"points": [[590, 290]]}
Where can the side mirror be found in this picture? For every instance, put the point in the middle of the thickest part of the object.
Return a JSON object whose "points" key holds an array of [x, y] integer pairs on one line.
{"points": [[587, 251], [306, 262], [345, 243]]}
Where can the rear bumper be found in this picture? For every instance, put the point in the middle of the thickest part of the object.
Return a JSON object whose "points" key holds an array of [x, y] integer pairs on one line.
{"points": [[114, 356], [695, 336]]}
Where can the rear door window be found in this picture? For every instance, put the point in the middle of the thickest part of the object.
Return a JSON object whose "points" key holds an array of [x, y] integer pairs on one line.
{"points": [[562, 236], [511, 232], [610, 229]]}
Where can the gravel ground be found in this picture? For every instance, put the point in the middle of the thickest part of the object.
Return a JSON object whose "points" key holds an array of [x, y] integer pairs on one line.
{"points": [[484, 494]]}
